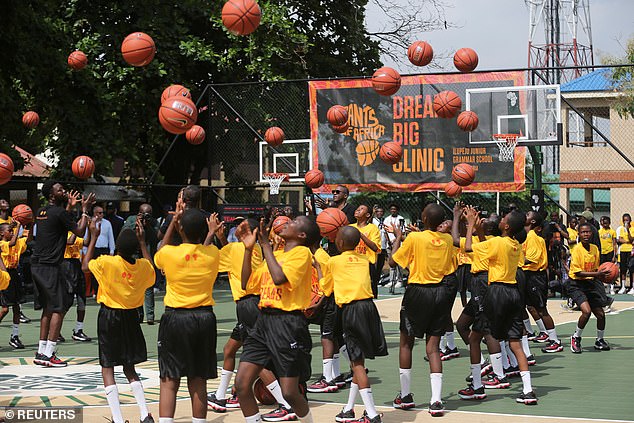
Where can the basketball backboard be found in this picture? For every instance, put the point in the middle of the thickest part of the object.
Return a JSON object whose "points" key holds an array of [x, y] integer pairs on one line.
{"points": [[293, 157], [533, 112]]}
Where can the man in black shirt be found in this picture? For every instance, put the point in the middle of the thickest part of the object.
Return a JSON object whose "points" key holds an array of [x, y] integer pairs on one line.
{"points": [[340, 201], [53, 224]]}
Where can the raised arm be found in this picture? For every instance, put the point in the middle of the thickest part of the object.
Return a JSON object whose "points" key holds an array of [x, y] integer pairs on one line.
{"points": [[139, 229], [214, 225], [86, 203], [455, 226], [94, 234], [397, 241], [248, 240], [277, 274], [472, 218], [16, 231]]}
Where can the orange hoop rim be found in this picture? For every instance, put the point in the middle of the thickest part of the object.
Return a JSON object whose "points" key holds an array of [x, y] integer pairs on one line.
{"points": [[506, 137], [278, 175]]}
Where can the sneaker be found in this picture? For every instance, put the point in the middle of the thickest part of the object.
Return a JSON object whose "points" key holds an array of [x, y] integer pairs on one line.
{"points": [[612, 290], [542, 337], [575, 344], [485, 369], [494, 382], [348, 378], [60, 338], [81, 336], [150, 322], [233, 402], [440, 352], [512, 371], [366, 419], [601, 345], [53, 361], [218, 405], [531, 360], [322, 386], [39, 359], [436, 409], [281, 414], [528, 399], [469, 393], [16, 343], [448, 354], [622, 290], [631, 291], [531, 336], [404, 403], [553, 347], [24, 319], [340, 381], [345, 416], [148, 419]]}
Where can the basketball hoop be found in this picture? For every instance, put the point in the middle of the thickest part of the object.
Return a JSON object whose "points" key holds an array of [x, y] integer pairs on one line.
{"points": [[275, 180], [507, 144]]}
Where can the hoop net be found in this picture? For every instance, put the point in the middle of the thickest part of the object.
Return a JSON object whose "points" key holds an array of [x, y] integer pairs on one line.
{"points": [[275, 180], [507, 144]]}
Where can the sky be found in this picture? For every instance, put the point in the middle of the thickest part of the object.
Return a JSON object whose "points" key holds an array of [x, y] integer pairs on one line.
{"points": [[498, 31]]}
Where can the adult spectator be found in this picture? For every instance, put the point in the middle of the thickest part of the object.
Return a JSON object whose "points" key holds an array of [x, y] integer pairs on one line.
{"points": [[115, 220], [5, 216], [378, 218], [339, 200], [592, 220], [53, 224], [231, 235], [394, 219], [625, 239], [588, 217], [105, 242], [190, 196]]}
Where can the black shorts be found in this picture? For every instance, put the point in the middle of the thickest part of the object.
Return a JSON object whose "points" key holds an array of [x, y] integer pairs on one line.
{"points": [[331, 314], [52, 292], [280, 341], [75, 281], [247, 312], [606, 258], [627, 262], [362, 330], [475, 306], [121, 340], [187, 343], [14, 294], [503, 308], [426, 308], [591, 291], [463, 275], [536, 289]]}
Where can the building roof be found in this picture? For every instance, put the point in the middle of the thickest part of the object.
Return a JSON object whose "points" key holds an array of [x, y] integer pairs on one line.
{"points": [[33, 167], [599, 80]]}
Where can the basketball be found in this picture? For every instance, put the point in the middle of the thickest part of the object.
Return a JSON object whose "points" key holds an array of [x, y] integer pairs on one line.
{"points": [[314, 299], [138, 49], [77, 60], [279, 223], [274, 136], [262, 393], [386, 81], [6, 168], [330, 220], [420, 53], [195, 135], [465, 60], [341, 129], [314, 178], [177, 114], [467, 121], [337, 115], [447, 104], [30, 119], [453, 190], [614, 272], [175, 91], [367, 151], [463, 174], [391, 152], [241, 17], [23, 214], [83, 167]]}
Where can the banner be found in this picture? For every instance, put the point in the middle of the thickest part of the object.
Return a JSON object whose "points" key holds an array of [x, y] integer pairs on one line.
{"points": [[432, 146]]}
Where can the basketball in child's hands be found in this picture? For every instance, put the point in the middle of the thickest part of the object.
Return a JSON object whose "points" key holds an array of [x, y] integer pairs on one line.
{"points": [[330, 220], [337, 115], [420, 53], [262, 393], [241, 17], [463, 174], [467, 121], [613, 268], [391, 152], [314, 178], [465, 60], [274, 136], [279, 223], [386, 81], [447, 104], [23, 214], [453, 190]]}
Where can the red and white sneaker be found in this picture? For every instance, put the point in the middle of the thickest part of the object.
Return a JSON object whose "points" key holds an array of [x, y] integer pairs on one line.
{"points": [[40, 359], [531, 360], [553, 347], [469, 393], [495, 382], [404, 403], [53, 361], [542, 337], [281, 414], [322, 386], [448, 354], [233, 402], [436, 409]]}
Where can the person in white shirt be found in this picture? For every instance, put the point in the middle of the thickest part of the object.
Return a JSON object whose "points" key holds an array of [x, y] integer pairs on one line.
{"points": [[377, 218], [105, 241], [394, 219]]}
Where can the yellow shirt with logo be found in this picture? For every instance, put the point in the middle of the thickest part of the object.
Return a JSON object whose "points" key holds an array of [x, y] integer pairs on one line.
{"points": [[582, 260], [322, 287], [502, 255], [350, 276], [11, 255], [297, 265], [429, 255], [625, 247], [534, 251], [190, 271], [372, 232], [606, 236], [73, 251], [231, 256], [121, 284], [572, 235], [5, 278]]}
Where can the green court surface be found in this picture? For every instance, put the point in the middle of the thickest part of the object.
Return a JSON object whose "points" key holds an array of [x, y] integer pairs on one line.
{"points": [[592, 385]]}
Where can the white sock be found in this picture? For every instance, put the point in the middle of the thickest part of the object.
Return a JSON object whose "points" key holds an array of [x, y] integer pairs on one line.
{"points": [[526, 381], [496, 362], [477, 377], [197, 420], [171, 420], [528, 326], [139, 396], [276, 391], [352, 396], [50, 348], [540, 325], [343, 352], [112, 395], [225, 378], [405, 375], [578, 332], [505, 357], [451, 340], [443, 343], [552, 334], [41, 346], [79, 326], [511, 356], [15, 329], [600, 333], [327, 369], [436, 386], [308, 418], [526, 346], [368, 402], [336, 369], [256, 418], [481, 358]]}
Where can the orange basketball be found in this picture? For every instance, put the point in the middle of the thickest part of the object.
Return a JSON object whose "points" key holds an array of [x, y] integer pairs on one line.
{"points": [[447, 104], [83, 167], [452, 189], [465, 60], [195, 135], [420, 53], [138, 49], [463, 174], [177, 114], [341, 129], [367, 151], [241, 17], [274, 136], [386, 81], [391, 152], [30, 119], [337, 115], [77, 60], [23, 214], [314, 178], [175, 91], [262, 393], [330, 220], [314, 299], [279, 223], [6, 168], [467, 120], [614, 272]]}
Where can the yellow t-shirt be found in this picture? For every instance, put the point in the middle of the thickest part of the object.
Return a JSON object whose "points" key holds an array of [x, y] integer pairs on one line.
{"points": [[502, 255], [372, 232], [231, 256], [606, 236], [625, 247], [73, 251], [350, 274], [534, 250], [297, 265], [429, 255], [121, 284], [190, 271], [322, 258], [477, 263], [11, 255], [5, 278], [572, 234], [582, 260], [9, 219]]}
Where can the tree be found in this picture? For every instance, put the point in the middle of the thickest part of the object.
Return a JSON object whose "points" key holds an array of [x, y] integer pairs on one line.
{"points": [[621, 77]]}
